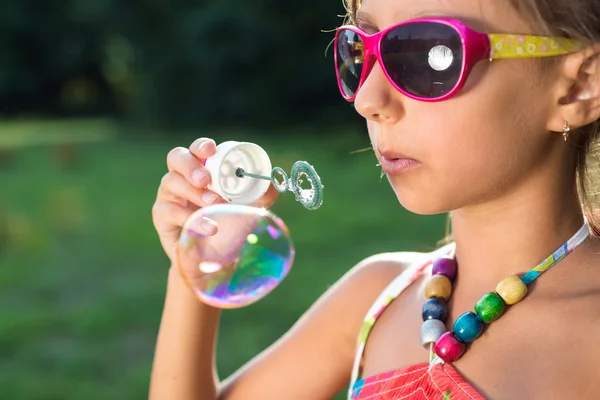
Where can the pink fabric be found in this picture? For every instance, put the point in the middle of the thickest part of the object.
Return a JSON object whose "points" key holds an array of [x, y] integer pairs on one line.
{"points": [[419, 382]]}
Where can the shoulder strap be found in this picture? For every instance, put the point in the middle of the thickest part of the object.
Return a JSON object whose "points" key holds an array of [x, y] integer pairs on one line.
{"points": [[393, 290]]}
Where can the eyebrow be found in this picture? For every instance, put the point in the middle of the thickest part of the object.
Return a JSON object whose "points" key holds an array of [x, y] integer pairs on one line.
{"points": [[428, 13], [364, 20]]}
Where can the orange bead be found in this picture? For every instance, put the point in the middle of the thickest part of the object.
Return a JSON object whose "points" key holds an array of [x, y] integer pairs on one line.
{"points": [[438, 286], [512, 290]]}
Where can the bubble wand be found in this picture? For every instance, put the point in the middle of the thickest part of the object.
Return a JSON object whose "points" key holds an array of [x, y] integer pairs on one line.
{"points": [[235, 161], [310, 198]]}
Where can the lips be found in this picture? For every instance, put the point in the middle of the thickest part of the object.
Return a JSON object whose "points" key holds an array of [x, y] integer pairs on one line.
{"points": [[392, 155], [394, 163]]}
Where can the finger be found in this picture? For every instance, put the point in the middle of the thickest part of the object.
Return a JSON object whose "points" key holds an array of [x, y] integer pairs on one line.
{"points": [[183, 162], [203, 148], [268, 198], [201, 227], [174, 187], [171, 217]]}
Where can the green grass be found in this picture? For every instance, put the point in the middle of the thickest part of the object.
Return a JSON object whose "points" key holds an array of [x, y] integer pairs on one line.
{"points": [[82, 274]]}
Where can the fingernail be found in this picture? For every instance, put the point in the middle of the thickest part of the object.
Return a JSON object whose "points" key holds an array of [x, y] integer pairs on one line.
{"points": [[202, 145], [209, 197], [198, 175], [208, 226]]}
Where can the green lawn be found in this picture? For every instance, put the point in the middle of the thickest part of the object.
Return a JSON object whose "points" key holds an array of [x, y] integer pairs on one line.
{"points": [[82, 274]]}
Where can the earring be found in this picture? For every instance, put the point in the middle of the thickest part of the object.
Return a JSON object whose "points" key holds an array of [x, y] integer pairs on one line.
{"points": [[566, 131]]}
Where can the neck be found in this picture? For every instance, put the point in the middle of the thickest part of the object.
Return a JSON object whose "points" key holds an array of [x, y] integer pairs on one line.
{"points": [[511, 236]]}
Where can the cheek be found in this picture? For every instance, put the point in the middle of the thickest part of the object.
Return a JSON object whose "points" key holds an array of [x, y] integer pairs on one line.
{"points": [[474, 145], [372, 129]]}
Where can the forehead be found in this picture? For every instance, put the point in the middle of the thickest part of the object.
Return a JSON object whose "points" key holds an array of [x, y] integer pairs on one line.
{"points": [[496, 16]]}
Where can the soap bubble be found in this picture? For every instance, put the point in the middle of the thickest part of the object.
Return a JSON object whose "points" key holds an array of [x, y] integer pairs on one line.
{"points": [[243, 262]]}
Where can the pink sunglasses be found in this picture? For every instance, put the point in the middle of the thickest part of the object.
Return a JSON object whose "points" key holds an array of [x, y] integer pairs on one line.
{"points": [[430, 59]]}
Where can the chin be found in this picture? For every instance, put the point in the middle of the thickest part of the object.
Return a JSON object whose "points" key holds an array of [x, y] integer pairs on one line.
{"points": [[421, 203], [421, 208]]}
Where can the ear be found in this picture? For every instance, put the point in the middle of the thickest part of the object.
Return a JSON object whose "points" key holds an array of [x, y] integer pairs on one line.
{"points": [[578, 90]]}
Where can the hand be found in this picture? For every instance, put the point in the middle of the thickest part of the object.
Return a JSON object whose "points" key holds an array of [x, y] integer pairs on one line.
{"points": [[183, 190]]}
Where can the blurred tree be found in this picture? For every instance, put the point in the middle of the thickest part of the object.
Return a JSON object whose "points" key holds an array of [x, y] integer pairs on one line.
{"points": [[52, 58], [178, 63]]}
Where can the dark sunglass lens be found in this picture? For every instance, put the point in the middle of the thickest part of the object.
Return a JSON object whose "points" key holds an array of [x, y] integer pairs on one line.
{"points": [[350, 59], [424, 58]]}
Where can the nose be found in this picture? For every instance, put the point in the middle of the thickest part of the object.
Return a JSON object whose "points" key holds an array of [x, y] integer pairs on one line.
{"points": [[377, 100]]}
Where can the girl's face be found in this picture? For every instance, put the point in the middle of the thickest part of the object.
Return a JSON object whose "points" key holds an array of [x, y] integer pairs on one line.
{"points": [[475, 147]]}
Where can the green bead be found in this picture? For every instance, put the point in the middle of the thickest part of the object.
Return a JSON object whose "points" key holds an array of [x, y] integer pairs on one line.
{"points": [[490, 307]]}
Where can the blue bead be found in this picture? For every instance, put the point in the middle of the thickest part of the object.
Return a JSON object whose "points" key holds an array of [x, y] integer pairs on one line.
{"points": [[468, 327], [435, 308]]}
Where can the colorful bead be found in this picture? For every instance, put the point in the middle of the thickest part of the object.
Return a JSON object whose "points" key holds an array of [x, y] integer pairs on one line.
{"points": [[435, 308], [449, 348], [445, 266], [438, 286], [467, 327], [490, 307], [431, 330], [512, 290]]}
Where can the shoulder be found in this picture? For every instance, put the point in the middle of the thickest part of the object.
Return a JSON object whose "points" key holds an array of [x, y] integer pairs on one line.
{"points": [[374, 273], [320, 347], [354, 294], [332, 324]]}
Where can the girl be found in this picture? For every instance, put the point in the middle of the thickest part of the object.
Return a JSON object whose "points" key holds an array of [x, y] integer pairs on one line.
{"points": [[486, 109]]}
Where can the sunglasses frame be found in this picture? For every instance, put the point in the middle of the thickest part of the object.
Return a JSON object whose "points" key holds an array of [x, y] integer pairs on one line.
{"points": [[476, 47]]}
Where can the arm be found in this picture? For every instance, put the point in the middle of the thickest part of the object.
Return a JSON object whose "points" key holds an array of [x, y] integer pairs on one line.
{"points": [[312, 361], [184, 362]]}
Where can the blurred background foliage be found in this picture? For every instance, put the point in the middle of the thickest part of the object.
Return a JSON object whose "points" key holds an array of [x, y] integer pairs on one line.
{"points": [[93, 95], [178, 63]]}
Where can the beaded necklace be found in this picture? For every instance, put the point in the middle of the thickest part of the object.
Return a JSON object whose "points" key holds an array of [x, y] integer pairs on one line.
{"points": [[450, 346]]}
